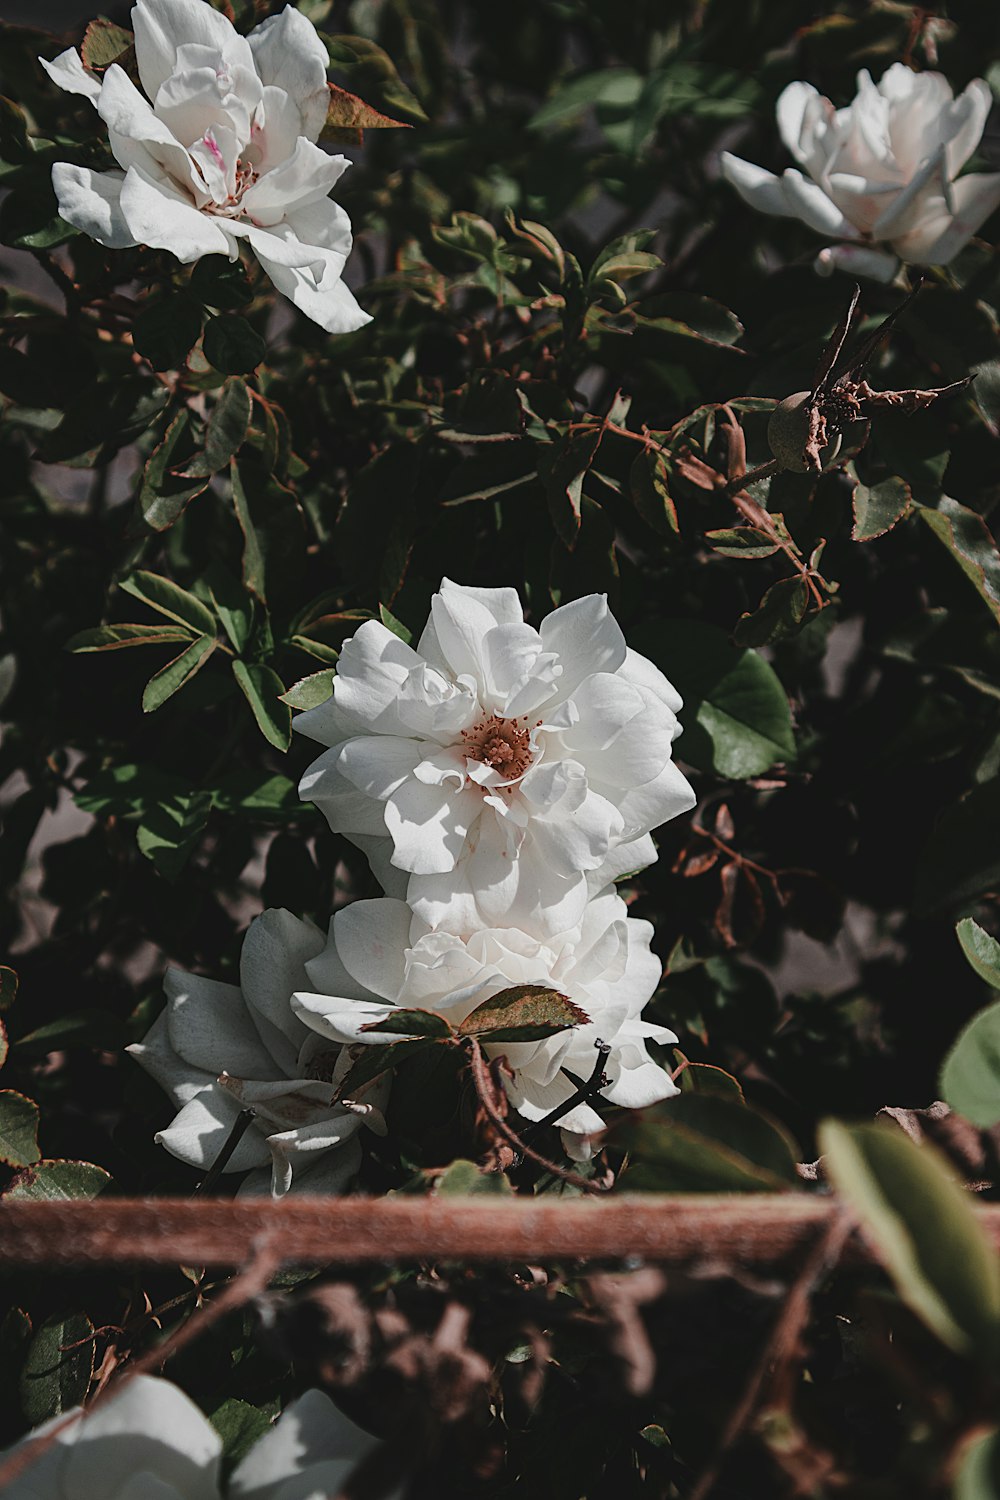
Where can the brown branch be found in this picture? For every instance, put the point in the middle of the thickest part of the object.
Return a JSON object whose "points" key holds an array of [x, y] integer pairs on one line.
{"points": [[782, 1345], [768, 1231]]}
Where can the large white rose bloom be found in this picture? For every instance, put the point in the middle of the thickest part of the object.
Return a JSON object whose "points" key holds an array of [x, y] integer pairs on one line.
{"points": [[882, 171], [219, 1048], [219, 151], [498, 775], [380, 957], [152, 1443]]}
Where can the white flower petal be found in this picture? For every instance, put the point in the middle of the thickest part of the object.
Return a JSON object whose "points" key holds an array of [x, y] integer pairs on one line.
{"points": [[372, 938], [162, 27], [586, 638], [289, 54], [272, 966], [159, 217], [857, 260], [151, 1425], [138, 138], [177, 1077], [377, 764], [91, 202], [303, 177], [653, 803], [347, 810], [340, 1019], [68, 73], [761, 189], [795, 105], [310, 1431], [301, 1148], [198, 1133], [210, 1028], [809, 203], [943, 233], [635, 1088], [328, 302], [967, 121], [429, 825]]}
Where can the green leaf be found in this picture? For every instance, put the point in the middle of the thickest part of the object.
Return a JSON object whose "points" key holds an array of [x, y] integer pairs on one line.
{"points": [[741, 541], [463, 1178], [58, 1180], [704, 1143], [878, 507], [14, 143], [615, 85], [84, 1028], [978, 1476], [413, 1023], [18, 1129], [232, 346], [170, 831], [104, 43], [253, 553], [120, 790], [396, 626], [169, 599], [164, 494], [970, 1073], [523, 1013], [969, 541], [165, 331], [924, 1227], [779, 614], [8, 987], [232, 603], [115, 637], [982, 951], [376, 1060], [985, 392], [705, 1078], [371, 70], [176, 673], [58, 1367], [221, 283], [563, 468], [263, 690], [256, 794], [736, 719], [240, 1426], [310, 692], [649, 482], [29, 219], [227, 429]]}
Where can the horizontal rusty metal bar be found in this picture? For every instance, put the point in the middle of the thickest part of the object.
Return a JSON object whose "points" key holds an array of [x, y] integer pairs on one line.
{"points": [[768, 1231]]}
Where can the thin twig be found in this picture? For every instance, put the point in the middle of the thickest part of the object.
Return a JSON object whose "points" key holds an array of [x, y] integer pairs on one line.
{"points": [[252, 1280], [585, 1090], [215, 1171], [484, 1088], [783, 1342]]}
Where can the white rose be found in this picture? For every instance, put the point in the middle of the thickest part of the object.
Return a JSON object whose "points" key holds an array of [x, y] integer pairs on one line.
{"points": [[219, 151], [380, 956], [152, 1443], [498, 775], [219, 1048], [882, 171]]}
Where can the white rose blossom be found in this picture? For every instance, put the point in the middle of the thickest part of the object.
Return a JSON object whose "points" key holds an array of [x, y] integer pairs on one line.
{"points": [[151, 1442], [219, 151], [498, 775], [219, 1048], [380, 957], [882, 172]]}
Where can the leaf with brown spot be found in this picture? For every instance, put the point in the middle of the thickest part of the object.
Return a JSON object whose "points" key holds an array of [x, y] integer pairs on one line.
{"points": [[523, 1013], [348, 117]]}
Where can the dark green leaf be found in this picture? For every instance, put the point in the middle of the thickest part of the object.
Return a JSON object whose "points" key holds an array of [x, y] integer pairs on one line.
{"points": [[741, 541], [373, 1061], [104, 43], [878, 507], [961, 859], [414, 1023], [226, 431], [29, 219], [84, 1028], [169, 832], [617, 85], [736, 719], [968, 540], [779, 614], [176, 673], [256, 794], [232, 346], [373, 72], [232, 603], [165, 331], [649, 481], [169, 599], [463, 1177], [704, 1143], [58, 1367], [18, 1129], [240, 1426], [47, 1181], [164, 494], [114, 637], [923, 1226], [14, 145], [523, 1013], [264, 690], [8, 987], [982, 951], [219, 282]]}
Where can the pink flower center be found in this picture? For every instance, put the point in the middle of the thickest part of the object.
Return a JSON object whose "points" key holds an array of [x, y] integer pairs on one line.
{"points": [[503, 744]]}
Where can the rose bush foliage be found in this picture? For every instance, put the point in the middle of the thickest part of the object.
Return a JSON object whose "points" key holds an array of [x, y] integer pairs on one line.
{"points": [[228, 513]]}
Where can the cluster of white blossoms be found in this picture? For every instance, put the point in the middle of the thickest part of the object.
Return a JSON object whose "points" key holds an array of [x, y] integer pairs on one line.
{"points": [[150, 1442], [217, 150], [882, 172], [500, 779]]}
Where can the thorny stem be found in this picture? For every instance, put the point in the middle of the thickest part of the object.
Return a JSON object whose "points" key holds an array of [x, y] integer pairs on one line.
{"points": [[215, 1171], [782, 1345], [484, 1088]]}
